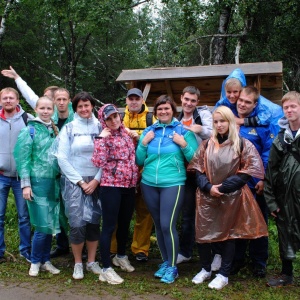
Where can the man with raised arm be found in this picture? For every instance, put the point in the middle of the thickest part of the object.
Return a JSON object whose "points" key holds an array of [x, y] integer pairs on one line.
{"points": [[63, 114]]}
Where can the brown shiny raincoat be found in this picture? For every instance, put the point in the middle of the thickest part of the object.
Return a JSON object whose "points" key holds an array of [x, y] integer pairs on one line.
{"points": [[233, 215]]}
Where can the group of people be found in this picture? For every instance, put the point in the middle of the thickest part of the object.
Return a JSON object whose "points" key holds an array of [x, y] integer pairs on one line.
{"points": [[223, 171]]}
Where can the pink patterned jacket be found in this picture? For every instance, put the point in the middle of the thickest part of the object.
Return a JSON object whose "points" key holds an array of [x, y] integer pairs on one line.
{"points": [[116, 156]]}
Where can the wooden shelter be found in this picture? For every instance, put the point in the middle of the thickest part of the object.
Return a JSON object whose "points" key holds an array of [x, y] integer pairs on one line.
{"points": [[266, 76]]}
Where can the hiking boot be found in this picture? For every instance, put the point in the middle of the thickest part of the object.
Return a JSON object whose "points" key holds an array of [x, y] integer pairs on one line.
{"points": [[216, 263], [280, 281], [182, 259], [219, 282], [162, 270], [141, 256], [2, 259], [170, 275], [123, 262], [34, 269], [26, 255], [201, 276], [110, 276], [78, 271], [47, 266], [94, 267]]}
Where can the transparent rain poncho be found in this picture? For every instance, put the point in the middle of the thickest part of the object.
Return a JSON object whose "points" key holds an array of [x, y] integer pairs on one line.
{"points": [[73, 149], [233, 215], [31, 156]]}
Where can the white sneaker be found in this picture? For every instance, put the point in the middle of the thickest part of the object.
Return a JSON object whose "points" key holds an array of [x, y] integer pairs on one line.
{"points": [[216, 263], [181, 259], [201, 276], [219, 282], [110, 276], [94, 267], [47, 266], [78, 271], [124, 263], [34, 269]]}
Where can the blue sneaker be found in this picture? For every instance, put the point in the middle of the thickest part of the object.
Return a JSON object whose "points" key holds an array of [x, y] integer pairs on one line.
{"points": [[162, 270], [170, 275]]}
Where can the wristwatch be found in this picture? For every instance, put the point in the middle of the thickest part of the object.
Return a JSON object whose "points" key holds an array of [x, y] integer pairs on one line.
{"points": [[81, 182]]}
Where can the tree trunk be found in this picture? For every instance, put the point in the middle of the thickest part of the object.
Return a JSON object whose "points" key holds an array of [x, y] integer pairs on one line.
{"points": [[220, 42], [6, 12]]}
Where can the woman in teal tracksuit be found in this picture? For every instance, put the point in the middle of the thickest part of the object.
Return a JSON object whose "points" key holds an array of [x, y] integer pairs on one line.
{"points": [[163, 149]]}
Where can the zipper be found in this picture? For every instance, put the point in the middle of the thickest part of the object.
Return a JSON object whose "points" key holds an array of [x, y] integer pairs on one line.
{"points": [[157, 165], [176, 161]]}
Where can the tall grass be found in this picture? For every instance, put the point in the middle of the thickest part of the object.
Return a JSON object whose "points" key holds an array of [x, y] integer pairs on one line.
{"points": [[11, 226]]}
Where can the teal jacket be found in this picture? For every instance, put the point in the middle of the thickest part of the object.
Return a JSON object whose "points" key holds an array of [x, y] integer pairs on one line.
{"points": [[163, 160]]}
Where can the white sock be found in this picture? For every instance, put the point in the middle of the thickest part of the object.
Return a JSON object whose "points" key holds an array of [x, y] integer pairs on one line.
{"points": [[90, 263]]}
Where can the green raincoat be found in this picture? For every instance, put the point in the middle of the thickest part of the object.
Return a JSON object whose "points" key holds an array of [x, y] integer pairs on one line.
{"points": [[282, 191], [31, 156]]}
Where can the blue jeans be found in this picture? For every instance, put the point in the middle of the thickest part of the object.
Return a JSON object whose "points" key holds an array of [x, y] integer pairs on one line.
{"points": [[187, 236], [23, 217], [41, 247]]}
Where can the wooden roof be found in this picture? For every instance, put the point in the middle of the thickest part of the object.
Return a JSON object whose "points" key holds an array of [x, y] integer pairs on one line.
{"points": [[266, 76]]}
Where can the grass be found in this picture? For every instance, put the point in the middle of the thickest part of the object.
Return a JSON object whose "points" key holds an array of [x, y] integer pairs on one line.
{"points": [[140, 284]]}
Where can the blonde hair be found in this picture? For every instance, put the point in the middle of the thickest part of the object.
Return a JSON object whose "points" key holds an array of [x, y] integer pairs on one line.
{"points": [[293, 95], [233, 82], [52, 123], [233, 134], [8, 90]]}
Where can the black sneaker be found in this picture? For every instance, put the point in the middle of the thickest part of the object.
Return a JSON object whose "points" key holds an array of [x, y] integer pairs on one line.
{"points": [[259, 272], [280, 281], [141, 256]]}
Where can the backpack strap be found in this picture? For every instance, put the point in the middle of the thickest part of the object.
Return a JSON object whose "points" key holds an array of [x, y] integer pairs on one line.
{"points": [[149, 118], [69, 129], [25, 117], [31, 131]]}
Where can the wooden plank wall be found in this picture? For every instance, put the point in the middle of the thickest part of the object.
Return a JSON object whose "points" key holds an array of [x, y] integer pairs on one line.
{"points": [[210, 88]]}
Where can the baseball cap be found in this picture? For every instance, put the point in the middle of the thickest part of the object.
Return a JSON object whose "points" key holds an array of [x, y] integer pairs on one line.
{"points": [[109, 110], [136, 92]]}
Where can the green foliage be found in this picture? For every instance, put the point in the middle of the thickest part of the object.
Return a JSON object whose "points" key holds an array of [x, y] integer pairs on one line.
{"points": [[84, 45]]}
